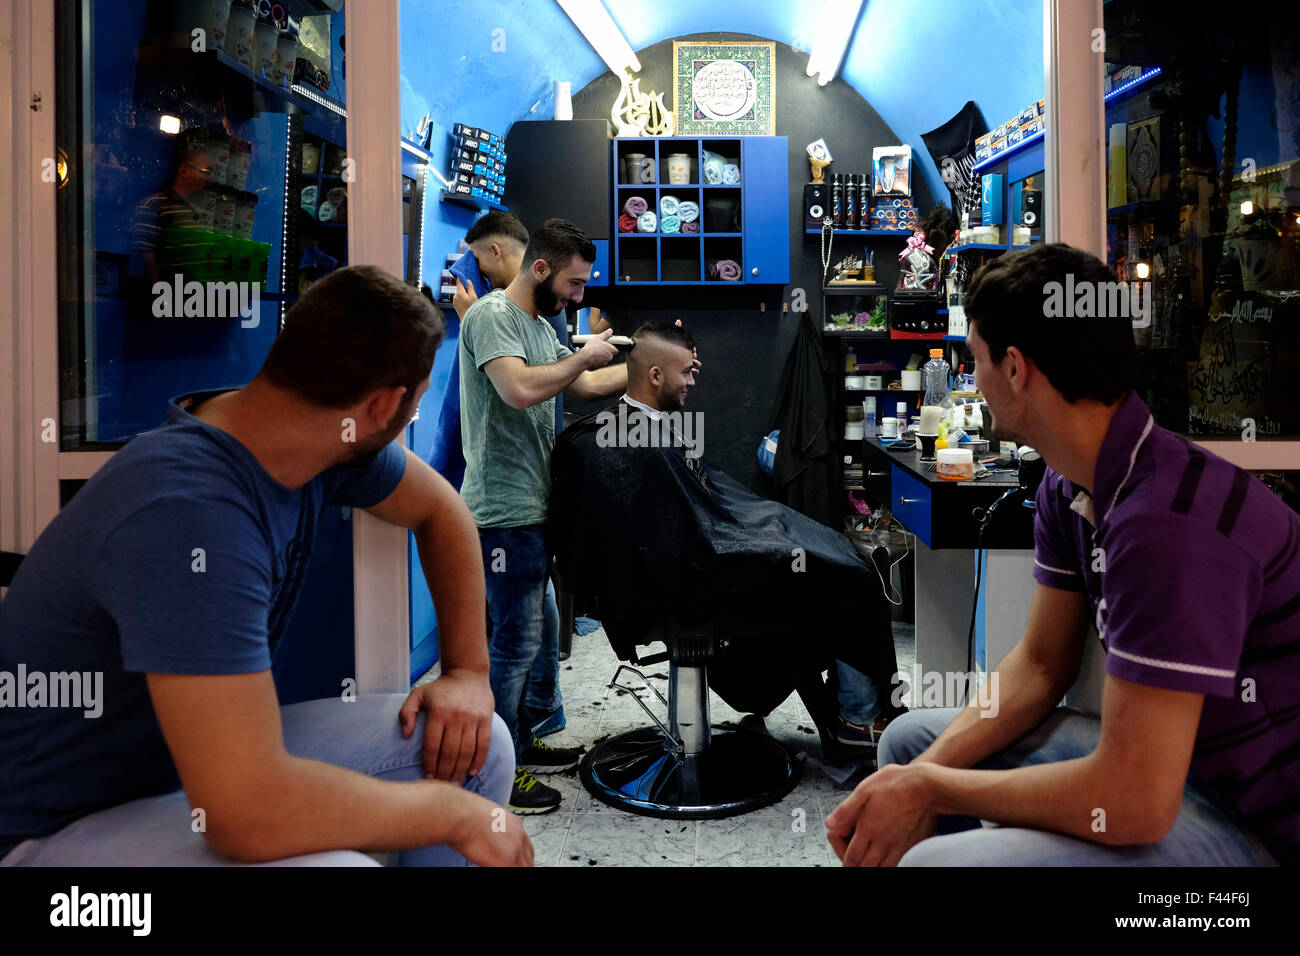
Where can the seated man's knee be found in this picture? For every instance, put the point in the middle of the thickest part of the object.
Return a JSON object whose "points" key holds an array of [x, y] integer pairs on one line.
{"points": [[909, 734], [498, 773]]}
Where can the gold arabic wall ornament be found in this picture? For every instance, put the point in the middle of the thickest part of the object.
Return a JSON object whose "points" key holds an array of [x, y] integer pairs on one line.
{"points": [[635, 113]]}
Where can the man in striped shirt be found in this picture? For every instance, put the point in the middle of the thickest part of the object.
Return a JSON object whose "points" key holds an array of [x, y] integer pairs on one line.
{"points": [[1190, 570]]}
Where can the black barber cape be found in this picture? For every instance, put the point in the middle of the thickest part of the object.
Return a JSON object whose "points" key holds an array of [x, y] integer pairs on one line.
{"points": [[804, 475], [644, 533]]}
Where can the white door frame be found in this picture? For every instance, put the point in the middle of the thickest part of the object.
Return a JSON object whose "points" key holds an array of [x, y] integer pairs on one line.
{"points": [[29, 333], [380, 571]]}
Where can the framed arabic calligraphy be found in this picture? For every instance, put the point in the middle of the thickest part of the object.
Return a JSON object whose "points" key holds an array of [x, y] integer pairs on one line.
{"points": [[724, 89]]}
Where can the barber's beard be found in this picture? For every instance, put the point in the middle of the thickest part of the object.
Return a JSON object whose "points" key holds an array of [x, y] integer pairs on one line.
{"points": [[548, 303]]}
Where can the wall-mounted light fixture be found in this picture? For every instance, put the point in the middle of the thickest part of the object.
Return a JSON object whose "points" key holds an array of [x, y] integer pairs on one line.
{"points": [[1247, 208], [1143, 270], [169, 124], [591, 17], [834, 31]]}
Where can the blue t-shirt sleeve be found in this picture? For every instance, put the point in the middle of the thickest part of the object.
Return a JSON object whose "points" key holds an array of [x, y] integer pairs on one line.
{"points": [[368, 485], [187, 581]]}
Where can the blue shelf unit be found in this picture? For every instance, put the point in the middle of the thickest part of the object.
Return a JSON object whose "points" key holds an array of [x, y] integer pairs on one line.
{"points": [[756, 237]]}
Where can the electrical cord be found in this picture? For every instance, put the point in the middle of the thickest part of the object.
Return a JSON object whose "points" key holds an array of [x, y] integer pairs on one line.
{"points": [[985, 517]]}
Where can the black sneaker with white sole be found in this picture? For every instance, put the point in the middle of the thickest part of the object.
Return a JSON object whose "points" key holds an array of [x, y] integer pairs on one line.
{"points": [[541, 757], [531, 796]]}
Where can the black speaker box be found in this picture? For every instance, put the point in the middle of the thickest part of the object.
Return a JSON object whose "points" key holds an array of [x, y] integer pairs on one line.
{"points": [[816, 204]]}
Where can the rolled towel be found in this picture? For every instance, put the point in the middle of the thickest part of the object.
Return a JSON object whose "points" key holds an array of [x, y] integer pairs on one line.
{"points": [[728, 270], [688, 211], [712, 168], [670, 224], [647, 222], [635, 207], [668, 206], [692, 226], [731, 174], [626, 223]]}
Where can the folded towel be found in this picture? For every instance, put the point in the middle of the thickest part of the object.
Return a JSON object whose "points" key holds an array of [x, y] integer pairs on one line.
{"points": [[626, 223], [635, 206], [728, 270], [731, 174], [647, 222], [692, 226], [670, 224], [668, 206], [712, 168], [688, 211]]}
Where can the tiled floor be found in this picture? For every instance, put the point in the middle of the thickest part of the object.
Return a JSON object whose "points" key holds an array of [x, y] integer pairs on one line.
{"points": [[586, 832]]}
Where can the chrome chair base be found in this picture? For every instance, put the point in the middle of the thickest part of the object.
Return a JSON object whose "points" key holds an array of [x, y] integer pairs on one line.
{"points": [[642, 771]]}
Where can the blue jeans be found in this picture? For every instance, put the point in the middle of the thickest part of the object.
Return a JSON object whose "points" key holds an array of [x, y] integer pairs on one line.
{"points": [[515, 565], [364, 736], [857, 695], [543, 694], [1206, 833]]}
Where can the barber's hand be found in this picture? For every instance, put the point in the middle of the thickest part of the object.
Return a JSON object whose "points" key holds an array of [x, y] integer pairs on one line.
{"points": [[597, 351], [465, 297], [885, 816], [488, 835], [694, 355], [459, 726]]}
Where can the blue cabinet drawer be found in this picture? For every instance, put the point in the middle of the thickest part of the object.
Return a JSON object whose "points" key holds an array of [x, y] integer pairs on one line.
{"points": [[909, 500], [600, 268], [766, 214]]}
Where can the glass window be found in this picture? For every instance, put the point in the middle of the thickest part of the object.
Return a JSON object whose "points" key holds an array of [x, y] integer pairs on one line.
{"points": [[1203, 197], [204, 143]]}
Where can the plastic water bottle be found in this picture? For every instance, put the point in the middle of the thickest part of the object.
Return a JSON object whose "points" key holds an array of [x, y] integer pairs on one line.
{"points": [[869, 417], [937, 390]]}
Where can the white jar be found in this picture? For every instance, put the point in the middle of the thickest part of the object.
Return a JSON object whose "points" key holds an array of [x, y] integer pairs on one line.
{"points": [[889, 427], [956, 464]]}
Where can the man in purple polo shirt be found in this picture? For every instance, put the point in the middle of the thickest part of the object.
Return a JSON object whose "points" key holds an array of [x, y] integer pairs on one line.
{"points": [[1190, 570]]}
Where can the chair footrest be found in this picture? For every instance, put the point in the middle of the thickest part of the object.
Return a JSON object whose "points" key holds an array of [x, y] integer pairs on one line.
{"points": [[652, 659]]}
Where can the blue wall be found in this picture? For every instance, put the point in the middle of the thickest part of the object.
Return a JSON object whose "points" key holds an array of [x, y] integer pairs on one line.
{"points": [[916, 65]]}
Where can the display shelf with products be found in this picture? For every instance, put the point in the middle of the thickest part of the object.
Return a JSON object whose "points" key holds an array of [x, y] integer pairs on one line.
{"points": [[700, 211]]}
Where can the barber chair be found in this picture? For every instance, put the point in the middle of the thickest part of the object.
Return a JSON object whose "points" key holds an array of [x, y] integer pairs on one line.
{"points": [[682, 767]]}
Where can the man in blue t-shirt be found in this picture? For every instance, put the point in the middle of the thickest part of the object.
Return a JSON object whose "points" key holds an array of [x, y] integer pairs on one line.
{"points": [[136, 638]]}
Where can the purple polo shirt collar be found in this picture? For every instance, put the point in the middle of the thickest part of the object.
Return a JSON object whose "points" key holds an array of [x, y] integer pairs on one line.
{"points": [[1129, 429]]}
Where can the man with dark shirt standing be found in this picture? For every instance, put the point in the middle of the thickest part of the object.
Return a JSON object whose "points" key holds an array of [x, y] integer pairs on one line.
{"points": [[1190, 569]]}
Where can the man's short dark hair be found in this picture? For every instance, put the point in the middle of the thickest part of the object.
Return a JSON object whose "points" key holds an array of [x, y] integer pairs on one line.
{"points": [[665, 331], [497, 223], [558, 241], [356, 330], [1013, 302]]}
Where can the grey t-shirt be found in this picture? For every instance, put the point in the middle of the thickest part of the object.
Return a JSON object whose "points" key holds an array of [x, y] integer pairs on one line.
{"points": [[507, 451]]}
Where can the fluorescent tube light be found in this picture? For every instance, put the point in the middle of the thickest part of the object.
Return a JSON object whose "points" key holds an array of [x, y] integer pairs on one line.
{"points": [[834, 30], [591, 17]]}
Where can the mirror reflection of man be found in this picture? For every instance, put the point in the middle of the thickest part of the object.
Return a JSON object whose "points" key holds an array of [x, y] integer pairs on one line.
{"points": [[175, 206]]}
